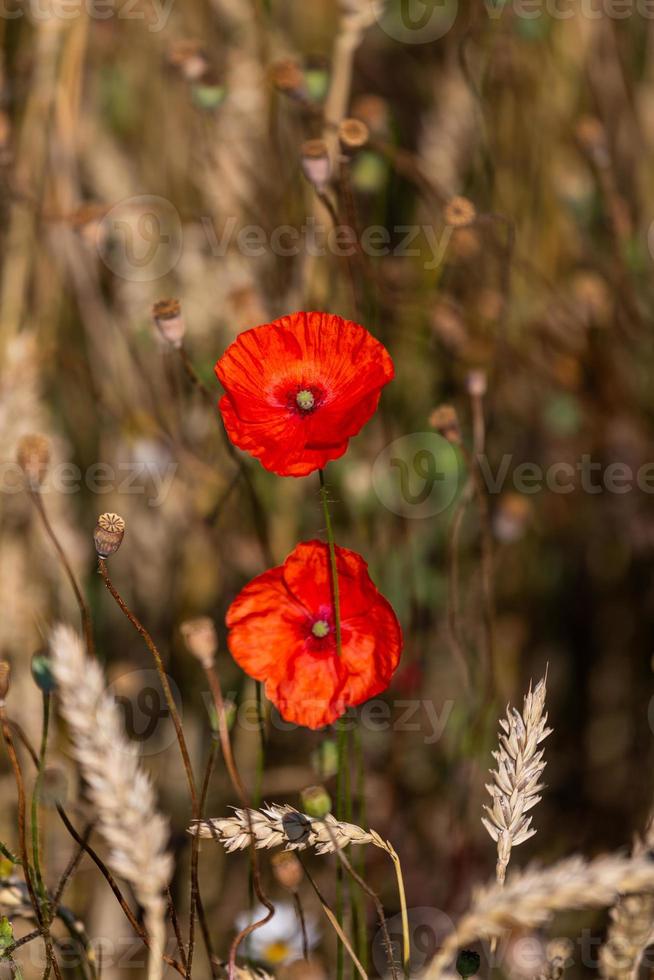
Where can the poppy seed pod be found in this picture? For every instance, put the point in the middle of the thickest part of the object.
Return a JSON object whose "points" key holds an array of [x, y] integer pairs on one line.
{"points": [[287, 77], [445, 421], [33, 457], [168, 319], [108, 534], [316, 801], [42, 672], [353, 134], [5, 675], [287, 870], [459, 212], [201, 639], [316, 167]]}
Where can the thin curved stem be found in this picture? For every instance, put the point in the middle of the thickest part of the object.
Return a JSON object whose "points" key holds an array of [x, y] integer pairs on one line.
{"points": [[84, 612]]}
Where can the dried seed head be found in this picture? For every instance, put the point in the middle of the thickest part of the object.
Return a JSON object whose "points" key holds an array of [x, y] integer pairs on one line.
{"points": [[33, 457], [168, 319], [287, 76], [353, 134], [459, 212], [287, 870], [476, 383], [108, 534], [316, 801], [314, 159], [445, 420], [201, 639], [5, 674]]}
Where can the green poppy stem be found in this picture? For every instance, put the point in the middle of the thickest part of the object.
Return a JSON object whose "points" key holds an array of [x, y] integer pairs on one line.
{"points": [[332, 559]]}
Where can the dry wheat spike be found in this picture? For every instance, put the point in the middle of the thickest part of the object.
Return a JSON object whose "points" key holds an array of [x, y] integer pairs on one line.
{"points": [[120, 790], [274, 826], [516, 780], [529, 898]]}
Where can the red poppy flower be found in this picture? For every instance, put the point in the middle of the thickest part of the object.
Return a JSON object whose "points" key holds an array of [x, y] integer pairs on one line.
{"points": [[298, 388], [282, 631]]}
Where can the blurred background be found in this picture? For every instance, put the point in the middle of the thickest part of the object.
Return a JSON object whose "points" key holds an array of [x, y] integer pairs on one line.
{"points": [[502, 201]]}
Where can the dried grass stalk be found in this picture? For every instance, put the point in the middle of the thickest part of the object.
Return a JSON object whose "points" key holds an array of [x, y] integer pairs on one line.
{"points": [[528, 899], [516, 781], [276, 826], [120, 790]]}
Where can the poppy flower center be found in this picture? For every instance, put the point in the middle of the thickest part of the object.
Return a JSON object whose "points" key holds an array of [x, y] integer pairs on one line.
{"points": [[305, 400], [320, 628]]}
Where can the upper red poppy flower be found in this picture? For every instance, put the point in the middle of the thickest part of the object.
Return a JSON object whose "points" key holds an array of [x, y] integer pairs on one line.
{"points": [[282, 631], [298, 388]]}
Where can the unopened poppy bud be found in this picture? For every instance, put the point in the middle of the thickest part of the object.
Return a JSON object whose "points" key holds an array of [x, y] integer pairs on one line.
{"points": [[286, 75], [459, 212], [316, 801], [108, 534], [5, 675], [476, 383], [33, 457], [201, 639], [353, 134], [42, 672], [287, 870], [467, 963], [446, 422], [315, 163], [168, 319]]}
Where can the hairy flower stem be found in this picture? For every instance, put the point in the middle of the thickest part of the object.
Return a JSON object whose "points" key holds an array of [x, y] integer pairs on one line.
{"points": [[324, 496], [343, 784], [85, 615], [36, 847], [22, 837]]}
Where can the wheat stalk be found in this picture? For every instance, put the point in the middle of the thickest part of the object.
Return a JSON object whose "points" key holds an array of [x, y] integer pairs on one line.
{"points": [[120, 790], [528, 899], [277, 825], [516, 780]]}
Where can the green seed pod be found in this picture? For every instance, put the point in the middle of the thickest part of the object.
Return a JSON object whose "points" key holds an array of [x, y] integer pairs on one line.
{"points": [[316, 801]]}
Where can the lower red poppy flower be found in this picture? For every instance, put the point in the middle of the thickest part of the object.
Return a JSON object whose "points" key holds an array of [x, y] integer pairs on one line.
{"points": [[282, 632], [298, 388]]}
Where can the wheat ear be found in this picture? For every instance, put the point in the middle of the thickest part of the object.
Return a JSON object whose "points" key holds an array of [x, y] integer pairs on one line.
{"points": [[631, 929], [277, 825], [120, 790], [516, 780], [529, 898]]}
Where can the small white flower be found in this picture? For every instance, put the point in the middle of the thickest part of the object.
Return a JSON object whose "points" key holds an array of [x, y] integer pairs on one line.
{"points": [[279, 941]]}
